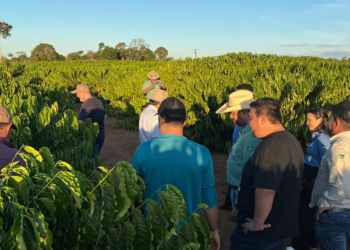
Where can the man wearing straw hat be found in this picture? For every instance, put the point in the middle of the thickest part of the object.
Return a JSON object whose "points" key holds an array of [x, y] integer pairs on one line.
{"points": [[238, 107], [149, 124], [7, 154], [152, 84]]}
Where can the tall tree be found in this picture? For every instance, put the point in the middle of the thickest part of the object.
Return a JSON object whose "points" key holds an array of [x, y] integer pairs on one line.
{"points": [[138, 49], [149, 56], [122, 50], [101, 46], [5, 29], [161, 53], [45, 52]]}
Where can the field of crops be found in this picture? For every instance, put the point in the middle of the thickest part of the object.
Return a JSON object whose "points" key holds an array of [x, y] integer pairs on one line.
{"points": [[53, 203]]}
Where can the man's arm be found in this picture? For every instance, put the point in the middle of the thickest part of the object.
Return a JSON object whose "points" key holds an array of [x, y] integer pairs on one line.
{"points": [[212, 215], [263, 205], [145, 91], [162, 84]]}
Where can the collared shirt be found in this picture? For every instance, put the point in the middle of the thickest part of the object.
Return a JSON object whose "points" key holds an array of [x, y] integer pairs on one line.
{"points": [[7, 154], [235, 134], [147, 84], [149, 124], [319, 145], [173, 159], [241, 151], [332, 185]]}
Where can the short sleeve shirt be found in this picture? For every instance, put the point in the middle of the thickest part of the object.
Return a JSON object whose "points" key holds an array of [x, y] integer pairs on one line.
{"points": [[93, 108], [148, 84], [173, 159], [241, 151], [149, 124], [277, 164]]}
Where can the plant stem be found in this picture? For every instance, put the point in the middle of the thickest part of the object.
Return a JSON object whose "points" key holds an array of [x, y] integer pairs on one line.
{"points": [[101, 181]]}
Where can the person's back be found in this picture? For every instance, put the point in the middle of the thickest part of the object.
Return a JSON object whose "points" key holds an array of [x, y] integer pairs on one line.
{"points": [[178, 161], [7, 154], [281, 171]]}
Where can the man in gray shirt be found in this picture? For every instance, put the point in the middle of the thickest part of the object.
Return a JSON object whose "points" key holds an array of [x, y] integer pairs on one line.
{"points": [[7, 154], [331, 193], [92, 108]]}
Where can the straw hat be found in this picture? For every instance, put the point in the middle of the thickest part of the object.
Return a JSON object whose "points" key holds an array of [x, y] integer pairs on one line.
{"points": [[238, 100], [159, 95], [153, 75], [81, 88], [6, 116]]}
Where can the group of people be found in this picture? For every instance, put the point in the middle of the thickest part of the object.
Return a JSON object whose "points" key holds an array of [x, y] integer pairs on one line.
{"points": [[275, 191]]}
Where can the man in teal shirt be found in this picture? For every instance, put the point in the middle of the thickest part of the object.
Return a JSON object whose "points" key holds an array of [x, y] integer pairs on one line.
{"points": [[238, 106], [152, 84], [173, 159]]}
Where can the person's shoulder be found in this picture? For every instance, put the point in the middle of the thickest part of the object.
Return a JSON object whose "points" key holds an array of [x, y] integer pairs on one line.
{"points": [[199, 147], [323, 138]]}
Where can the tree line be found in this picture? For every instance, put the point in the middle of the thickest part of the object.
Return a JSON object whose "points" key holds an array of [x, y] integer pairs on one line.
{"points": [[137, 50]]}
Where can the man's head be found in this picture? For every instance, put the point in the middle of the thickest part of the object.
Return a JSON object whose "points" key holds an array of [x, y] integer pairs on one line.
{"points": [[265, 116], [6, 122], [340, 118], [153, 76], [238, 107], [172, 115], [82, 92], [158, 97], [245, 86]]}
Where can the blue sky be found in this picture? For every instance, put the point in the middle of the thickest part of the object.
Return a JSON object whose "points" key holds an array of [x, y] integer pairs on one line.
{"points": [[309, 27]]}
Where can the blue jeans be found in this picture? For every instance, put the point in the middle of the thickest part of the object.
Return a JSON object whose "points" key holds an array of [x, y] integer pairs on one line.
{"points": [[250, 241], [234, 196], [97, 150], [333, 230]]}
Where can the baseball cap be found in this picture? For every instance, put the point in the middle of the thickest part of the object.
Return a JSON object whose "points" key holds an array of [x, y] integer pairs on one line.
{"points": [[81, 88], [172, 108], [342, 110], [6, 116]]}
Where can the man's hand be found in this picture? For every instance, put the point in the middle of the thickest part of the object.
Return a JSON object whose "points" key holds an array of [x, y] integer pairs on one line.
{"points": [[215, 245], [152, 86], [234, 214], [320, 210], [252, 226]]}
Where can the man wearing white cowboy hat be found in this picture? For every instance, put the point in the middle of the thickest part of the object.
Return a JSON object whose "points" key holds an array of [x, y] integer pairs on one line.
{"points": [[152, 84], [149, 124], [238, 107]]}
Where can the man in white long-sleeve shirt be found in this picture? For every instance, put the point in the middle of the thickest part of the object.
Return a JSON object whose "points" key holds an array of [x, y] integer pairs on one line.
{"points": [[149, 124], [331, 193]]}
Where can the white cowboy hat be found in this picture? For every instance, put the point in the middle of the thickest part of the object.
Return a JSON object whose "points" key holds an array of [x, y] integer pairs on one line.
{"points": [[238, 100]]}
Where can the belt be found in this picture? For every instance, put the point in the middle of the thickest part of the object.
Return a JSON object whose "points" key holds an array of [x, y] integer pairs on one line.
{"points": [[336, 210]]}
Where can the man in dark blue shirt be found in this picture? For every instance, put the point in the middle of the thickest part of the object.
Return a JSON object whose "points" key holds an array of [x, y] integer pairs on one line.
{"points": [[92, 108]]}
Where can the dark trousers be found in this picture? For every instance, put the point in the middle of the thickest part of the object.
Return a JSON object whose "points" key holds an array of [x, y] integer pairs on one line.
{"points": [[306, 238], [251, 241], [228, 196]]}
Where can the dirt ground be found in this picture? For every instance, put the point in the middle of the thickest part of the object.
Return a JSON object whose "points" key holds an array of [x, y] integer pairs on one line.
{"points": [[120, 145]]}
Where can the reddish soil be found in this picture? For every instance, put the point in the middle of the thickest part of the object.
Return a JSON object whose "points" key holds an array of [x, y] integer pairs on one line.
{"points": [[120, 145]]}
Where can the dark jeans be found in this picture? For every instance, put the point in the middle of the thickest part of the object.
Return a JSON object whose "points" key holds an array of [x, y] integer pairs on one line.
{"points": [[228, 196], [306, 238], [250, 241], [333, 230], [97, 150]]}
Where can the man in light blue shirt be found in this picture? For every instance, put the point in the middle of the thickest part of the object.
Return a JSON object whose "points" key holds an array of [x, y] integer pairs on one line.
{"points": [[151, 85], [173, 159]]}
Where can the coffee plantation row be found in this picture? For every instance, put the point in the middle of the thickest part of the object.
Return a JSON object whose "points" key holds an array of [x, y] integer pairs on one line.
{"points": [[203, 85]]}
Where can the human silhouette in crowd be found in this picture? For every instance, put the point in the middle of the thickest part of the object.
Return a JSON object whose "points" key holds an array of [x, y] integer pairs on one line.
{"points": [[148, 124], [173, 159], [92, 108], [238, 106], [151, 85], [7, 154], [270, 186], [228, 204], [317, 119], [331, 193]]}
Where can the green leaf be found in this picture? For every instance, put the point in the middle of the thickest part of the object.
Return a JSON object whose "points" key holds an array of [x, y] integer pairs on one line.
{"points": [[156, 220], [71, 236], [142, 239], [181, 204], [17, 232], [169, 210]]}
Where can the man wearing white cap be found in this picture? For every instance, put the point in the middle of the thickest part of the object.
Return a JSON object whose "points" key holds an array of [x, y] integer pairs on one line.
{"points": [[7, 154], [152, 84], [149, 124], [238, 107], [92, 108]]}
